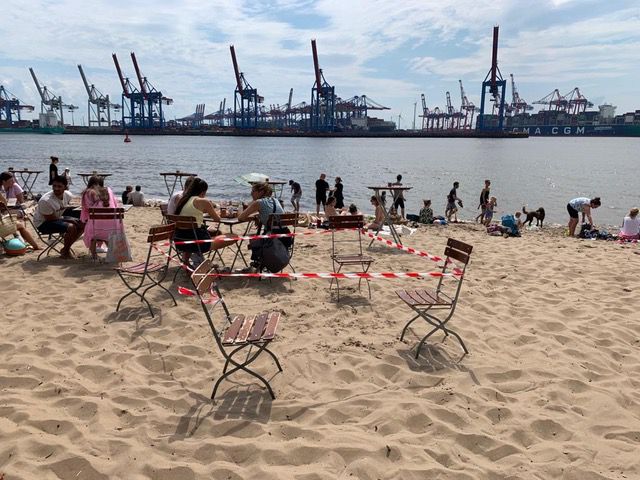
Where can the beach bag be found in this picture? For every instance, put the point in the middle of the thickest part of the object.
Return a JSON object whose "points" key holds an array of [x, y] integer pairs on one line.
{"points": [[509, 221], [7, 225], [269, 253], [119, 249]]}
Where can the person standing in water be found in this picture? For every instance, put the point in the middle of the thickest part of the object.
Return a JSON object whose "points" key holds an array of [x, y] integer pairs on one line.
{"points": [[53, 169]]}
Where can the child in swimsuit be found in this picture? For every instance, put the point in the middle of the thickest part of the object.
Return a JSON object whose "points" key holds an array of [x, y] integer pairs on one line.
{"points": [[489, 210]]}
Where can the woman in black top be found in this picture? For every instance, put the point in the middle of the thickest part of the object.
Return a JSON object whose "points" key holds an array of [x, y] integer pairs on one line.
{"points": [[337, 193], [53, 169]]}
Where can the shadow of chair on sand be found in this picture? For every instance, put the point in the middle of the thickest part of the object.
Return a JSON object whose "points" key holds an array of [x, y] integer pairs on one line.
{"points": [[435, 359], [247, 404]]}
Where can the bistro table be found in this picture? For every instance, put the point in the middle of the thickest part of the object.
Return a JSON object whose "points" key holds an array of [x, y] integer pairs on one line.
{"points": [[171, 179], [395, 190], [87, 176], [235, 247], [276, 184], [27, 180]]}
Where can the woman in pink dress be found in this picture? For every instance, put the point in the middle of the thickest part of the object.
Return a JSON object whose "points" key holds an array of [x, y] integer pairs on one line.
{"points": [[97, 196]]}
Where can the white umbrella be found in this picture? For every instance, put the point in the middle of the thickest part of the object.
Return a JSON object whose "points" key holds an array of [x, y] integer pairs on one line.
{"points": [[250, 178]]}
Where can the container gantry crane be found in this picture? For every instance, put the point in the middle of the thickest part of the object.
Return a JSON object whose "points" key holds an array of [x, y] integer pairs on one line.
{"points": [[575, 102], [554, 101], [10, 107], [98, 104], [246, 98], [518, 105], [153, 116], [467, 108], [495, 86], [323, 98], [49, 102], [425, 113], [133, 106]]}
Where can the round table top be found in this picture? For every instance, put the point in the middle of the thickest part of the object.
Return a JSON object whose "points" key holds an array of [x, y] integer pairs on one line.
{"points": [[24, 170], [97, 174], [392, 187], [178, 173]]}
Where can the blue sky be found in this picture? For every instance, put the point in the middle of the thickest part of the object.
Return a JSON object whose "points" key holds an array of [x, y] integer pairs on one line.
{"points": [[390, 51]]}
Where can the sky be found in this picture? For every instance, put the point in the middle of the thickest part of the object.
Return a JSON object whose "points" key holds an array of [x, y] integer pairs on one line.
{"points": [[390, 51]]}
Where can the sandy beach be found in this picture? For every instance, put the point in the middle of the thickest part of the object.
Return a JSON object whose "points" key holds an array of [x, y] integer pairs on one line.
{"points": [[550, 389]]}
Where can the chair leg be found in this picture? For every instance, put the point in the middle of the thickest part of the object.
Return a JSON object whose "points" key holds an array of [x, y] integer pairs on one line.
{"points": [[134, 290], [243, 366], [404, 330]]}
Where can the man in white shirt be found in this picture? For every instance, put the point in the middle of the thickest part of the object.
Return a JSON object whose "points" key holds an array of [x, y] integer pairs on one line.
{"points": [[49, 215], [137, 198]]}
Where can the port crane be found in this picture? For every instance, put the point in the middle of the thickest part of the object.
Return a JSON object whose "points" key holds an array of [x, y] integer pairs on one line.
{"points": [[10, 107], [246, 98], [132, 100], [425, 112], [554, 101], [576, 102], [98, 104], [495, 86], [154, 116], [323, 98], [518, 105], [452, 118], [49, 102], [467, 107]]}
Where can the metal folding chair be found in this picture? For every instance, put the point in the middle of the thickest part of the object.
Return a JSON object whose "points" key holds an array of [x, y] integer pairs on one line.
{"points": [[53, 241], [106, 213], [425, 301], [140, 276], [250, 334], [348, 255], [282, 220], [185, 223], [163, 211]]}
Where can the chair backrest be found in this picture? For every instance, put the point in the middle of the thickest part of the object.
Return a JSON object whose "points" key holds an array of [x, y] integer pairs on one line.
{"points": [[106, 213], [183, 222], [158, 233], [205, 283], [282, 220], [457, 254], [163, 210], [346, 222]]}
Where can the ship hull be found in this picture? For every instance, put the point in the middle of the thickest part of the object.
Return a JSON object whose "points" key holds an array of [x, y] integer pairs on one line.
{"points": [[578, 130], [43, 130]]}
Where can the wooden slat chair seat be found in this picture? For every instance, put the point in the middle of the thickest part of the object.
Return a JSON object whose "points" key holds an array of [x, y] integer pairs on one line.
{"points": [[424, 301], [152, 272], [355, 256], [250, 334]]}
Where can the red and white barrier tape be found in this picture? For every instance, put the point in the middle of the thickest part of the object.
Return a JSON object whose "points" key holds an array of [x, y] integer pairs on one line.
{"points": [[330, 275], [404, 248], [213, 298], [256, 237]]}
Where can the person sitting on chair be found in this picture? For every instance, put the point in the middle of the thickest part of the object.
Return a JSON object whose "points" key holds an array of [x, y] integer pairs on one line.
{"points": [[194, 204], [10, 188], [97, 196], [378, 220], [49, 215], [263, 204], [20, 227]]}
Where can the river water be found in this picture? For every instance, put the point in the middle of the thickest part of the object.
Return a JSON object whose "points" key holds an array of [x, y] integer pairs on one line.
{"points": [[536, 172]]}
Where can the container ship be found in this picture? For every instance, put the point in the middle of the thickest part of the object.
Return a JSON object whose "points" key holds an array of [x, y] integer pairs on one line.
{"points": [[589, 123]]}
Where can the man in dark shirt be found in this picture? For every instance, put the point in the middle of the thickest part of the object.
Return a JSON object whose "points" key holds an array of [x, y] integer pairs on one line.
{"points": [[452, 198], [125, 195], [53, 169], [484, 199], [296, 195], [322, 187]]}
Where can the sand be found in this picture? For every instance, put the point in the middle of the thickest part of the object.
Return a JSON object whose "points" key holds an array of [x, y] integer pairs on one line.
{"points": [[551, 388]]}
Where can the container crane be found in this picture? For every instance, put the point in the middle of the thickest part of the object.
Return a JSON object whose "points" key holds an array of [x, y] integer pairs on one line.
{"points": [[575, 102], [323, 98], [133, 106], [50, 105], [154, 116], [467, 107], [98, 104], [495, 86], [554, 101], [518, 105], [10, 107], [425, 112], [246, 98]]}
